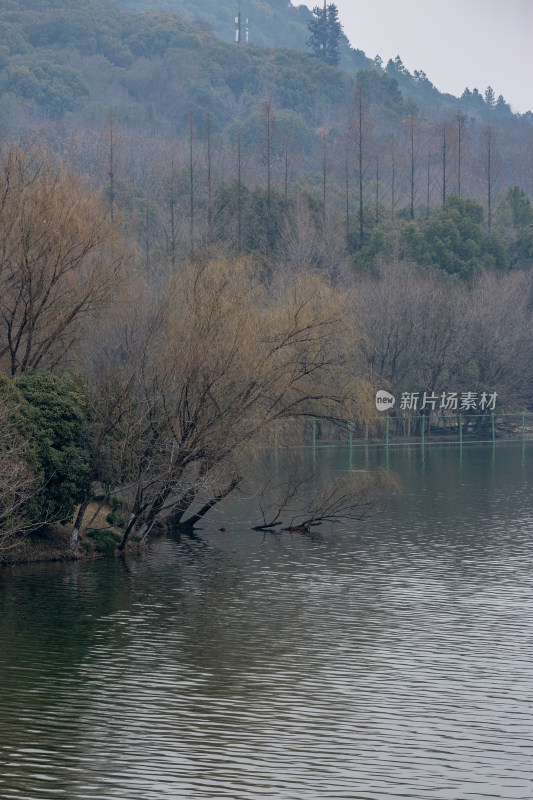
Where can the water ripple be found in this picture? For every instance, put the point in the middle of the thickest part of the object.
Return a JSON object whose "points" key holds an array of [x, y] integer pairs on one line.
{"points": [[390, 661]]}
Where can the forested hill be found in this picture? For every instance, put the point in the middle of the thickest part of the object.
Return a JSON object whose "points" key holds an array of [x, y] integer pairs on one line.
{"points": [[271, 23], [78, 57], [74, 58], [279, 23], [275, 23]]}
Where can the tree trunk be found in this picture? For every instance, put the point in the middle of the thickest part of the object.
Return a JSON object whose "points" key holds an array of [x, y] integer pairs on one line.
{"points": [[77, 525], [191, 521]]}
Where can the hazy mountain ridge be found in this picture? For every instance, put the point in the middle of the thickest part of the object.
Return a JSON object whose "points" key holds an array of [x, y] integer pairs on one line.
{"points": [[77, 58], [65, 63], [279, 23], [271, 23]]}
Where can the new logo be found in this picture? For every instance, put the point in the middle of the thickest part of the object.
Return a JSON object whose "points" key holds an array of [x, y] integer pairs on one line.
{"points": [[384, 400]]}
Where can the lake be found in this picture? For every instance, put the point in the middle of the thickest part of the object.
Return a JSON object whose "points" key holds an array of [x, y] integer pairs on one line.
{"points": [[391, 658]]}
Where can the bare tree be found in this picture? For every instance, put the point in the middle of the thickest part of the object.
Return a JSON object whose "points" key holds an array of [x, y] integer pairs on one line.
{"points": [[491, 167], [415, 339], [445, 157], [233, 359], [191, 183], [111, 165], [266, 145], [350, 497], [60, 259], [361, 135], [414, 143], [301, 241], [499, 338], [461, 135], [294, 498], [393, 177], [209, 123]]}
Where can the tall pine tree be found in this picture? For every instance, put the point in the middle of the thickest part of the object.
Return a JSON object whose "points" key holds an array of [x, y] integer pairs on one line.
{"points": [[326, 31]]}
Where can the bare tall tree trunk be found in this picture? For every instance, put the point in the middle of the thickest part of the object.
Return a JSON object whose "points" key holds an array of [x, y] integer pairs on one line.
{"points": [[377, 187], [191, 183], [413, 160], [393, 177], [286, 171], [324, 174], [111, 169], [209, 117], [490, 170], [347, 191], [428, 185], [460, 121], [267, 112], [360, 146], [146, 230], [239, 193], [444, 162], [172, 199]]}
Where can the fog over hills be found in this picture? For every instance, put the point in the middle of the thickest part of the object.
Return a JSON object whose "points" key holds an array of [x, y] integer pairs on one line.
{"points": [[368, 142]]}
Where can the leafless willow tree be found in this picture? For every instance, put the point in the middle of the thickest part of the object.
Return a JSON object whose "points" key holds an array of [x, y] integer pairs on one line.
{"points": [[60, 259], [233, 357]]}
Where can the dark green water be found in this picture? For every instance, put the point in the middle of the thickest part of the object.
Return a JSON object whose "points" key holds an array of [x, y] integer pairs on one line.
{"points": [[390, 660]]}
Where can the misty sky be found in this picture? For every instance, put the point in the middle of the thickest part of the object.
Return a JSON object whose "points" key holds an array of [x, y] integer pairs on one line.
{"points": [[457, 43]]}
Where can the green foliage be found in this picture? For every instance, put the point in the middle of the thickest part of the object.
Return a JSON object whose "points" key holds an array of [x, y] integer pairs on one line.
{"points": [[261, 232], [382, 90], [59, 57], [521, 249], [514, 223], [58, 87], [325, 33], [289, 130], [453, 240], [116, 519], [56, 418], [103, 541], [275, 22], [520, 207], [116, 503]]}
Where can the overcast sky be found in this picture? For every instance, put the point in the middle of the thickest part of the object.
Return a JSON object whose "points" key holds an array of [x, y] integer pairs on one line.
{"points": [[457, 43]]}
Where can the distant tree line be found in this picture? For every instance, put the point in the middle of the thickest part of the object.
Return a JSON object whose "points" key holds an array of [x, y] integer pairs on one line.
{"points": [[135, 391], [433, 193]]}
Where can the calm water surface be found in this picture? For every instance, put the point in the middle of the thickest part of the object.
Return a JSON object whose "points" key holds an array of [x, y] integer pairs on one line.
{"points": [[391, 659]]}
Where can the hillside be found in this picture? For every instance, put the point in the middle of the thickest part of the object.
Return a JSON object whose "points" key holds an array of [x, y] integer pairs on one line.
{"points": [[272, 23], [73, 59], [204, 128], [279, 23]]}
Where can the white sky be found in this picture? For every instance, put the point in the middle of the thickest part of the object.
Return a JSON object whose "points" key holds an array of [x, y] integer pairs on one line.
{"points": [[457, 43]]}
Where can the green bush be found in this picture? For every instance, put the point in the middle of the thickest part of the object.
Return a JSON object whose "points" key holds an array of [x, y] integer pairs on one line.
{"points": [[55, 417], [116, 503], [116, 519], [105, 541]]}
